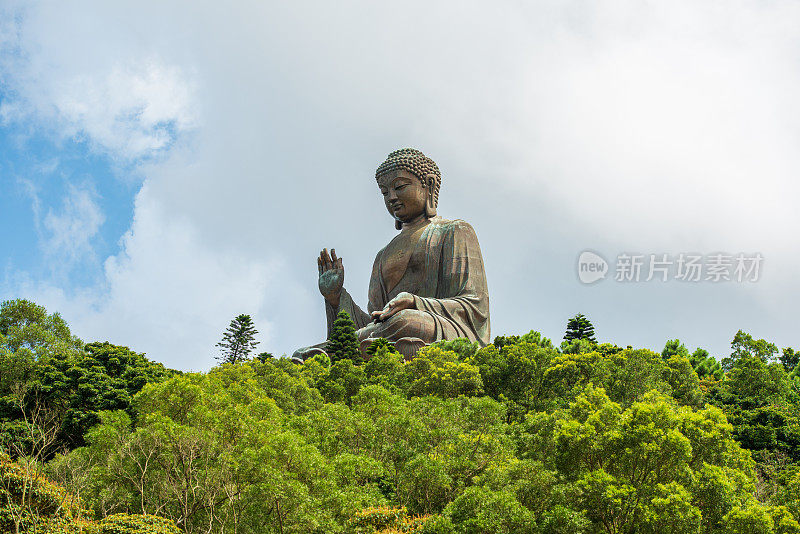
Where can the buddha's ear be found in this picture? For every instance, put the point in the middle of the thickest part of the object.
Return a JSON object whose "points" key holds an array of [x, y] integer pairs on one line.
{"points": [[430, 205]]}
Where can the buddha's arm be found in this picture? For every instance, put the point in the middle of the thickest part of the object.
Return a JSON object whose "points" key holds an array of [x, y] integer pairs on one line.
{"points": [[346, 303]]}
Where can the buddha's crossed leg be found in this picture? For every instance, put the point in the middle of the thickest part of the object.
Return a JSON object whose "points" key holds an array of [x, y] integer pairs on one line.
{"points": [[405, 323]]}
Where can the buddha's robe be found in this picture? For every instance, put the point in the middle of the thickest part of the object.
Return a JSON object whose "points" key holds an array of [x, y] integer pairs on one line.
{"points": [[445, 274]]}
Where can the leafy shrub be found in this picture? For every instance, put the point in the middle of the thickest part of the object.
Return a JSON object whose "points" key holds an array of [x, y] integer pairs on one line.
{"points": [[386, 520], [137, 524]]}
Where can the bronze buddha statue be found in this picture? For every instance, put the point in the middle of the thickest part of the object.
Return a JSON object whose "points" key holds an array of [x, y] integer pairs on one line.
{"points": [[428, 283]]}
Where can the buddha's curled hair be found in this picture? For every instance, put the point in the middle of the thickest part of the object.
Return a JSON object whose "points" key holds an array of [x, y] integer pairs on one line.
{"points": [[415, 162]]}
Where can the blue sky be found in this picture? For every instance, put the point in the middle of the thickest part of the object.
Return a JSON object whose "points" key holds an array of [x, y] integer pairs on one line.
{"points": [[165, 167], [38, 175]]}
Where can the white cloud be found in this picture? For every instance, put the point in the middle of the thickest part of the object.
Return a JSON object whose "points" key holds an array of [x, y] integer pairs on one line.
{"points": [[132, 111], [617, 126], [165, 293], [69, 233], [126, 102], [686, 124], [185, 293]]}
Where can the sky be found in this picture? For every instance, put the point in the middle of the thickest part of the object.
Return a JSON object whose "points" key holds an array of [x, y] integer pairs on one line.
{"points": [[165, 167]]}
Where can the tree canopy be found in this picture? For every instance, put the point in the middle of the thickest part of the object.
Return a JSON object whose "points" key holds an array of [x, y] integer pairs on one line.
{"points": [[519, 436]]}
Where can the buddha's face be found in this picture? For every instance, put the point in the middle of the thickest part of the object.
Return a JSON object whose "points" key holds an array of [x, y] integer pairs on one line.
{"points": [[403, 194]]}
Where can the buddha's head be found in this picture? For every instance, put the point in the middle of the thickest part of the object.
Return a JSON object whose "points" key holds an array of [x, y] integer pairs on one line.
{"points": [[409, 182]]}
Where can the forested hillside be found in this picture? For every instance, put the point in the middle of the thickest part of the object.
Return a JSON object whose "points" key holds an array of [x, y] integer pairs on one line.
{"points": [[517, 437]]}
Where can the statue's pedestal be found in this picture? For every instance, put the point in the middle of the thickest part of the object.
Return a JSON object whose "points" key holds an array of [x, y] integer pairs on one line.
{"points": [[407, 346]]}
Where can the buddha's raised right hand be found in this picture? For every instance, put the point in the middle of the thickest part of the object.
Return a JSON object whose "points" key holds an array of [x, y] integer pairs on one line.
{"points": [[331, 276]]}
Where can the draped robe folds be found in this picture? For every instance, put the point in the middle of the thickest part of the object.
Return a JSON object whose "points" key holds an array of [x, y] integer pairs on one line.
{"points": [[450, 289]]}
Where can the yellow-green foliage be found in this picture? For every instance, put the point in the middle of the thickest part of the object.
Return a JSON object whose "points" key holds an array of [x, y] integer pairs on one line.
{"points": [[29, 499], [73, 526], [439, 372], [33, 503], [137, 524], [386, 520]]}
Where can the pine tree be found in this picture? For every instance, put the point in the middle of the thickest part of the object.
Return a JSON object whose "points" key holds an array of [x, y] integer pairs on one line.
{"points": [[343, 342], [579, 327], [264, 356], [380, 345], [674, 347], [238, 340]]}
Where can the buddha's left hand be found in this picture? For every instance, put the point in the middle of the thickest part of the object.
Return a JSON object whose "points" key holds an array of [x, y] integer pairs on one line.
{"points": [[402, 301]]}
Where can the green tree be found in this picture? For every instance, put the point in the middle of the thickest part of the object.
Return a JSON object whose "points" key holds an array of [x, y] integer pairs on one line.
{"points": [[674, 347], [282, 383], [343, 343], [264, 356], [758, 400], [238, 341], [29, 336], [579, 327], [380, 345], [214, 453], [43, 364], [26, 325], [19, 481], [752, 518], [515, 375], [794, 376], [789, 494], [753, 382], [461, 346], [387, 368], [480, 510], [683, 380], [102, 377], [577, 346], [653, 467], [790, 358], [706, 367], [439, 372], [518, 436], [626, 375], [425, 485], [743, 345], [344, 380], [533, 337]]}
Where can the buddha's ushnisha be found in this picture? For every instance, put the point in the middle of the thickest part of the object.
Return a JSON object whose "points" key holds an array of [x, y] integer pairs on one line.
{"points": [[428, 283]]}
